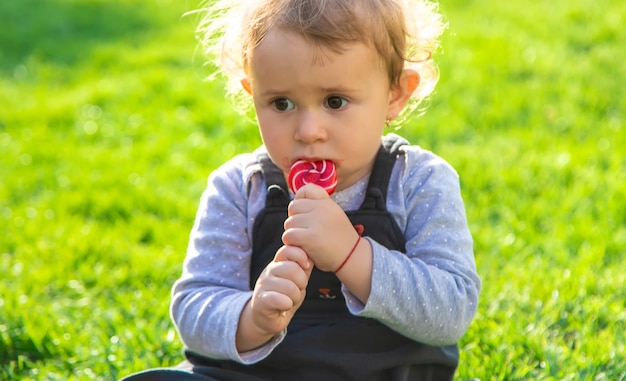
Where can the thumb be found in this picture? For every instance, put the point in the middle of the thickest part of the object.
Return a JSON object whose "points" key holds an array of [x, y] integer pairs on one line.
{"points": [[309, 268], [312, 192]]}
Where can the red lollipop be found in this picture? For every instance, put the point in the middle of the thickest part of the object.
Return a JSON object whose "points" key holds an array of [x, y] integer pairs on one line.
{"points": [[320, 172]]}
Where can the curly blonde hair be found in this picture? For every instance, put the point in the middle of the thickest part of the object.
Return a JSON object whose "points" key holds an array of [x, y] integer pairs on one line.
{"points": [[405, 33]]}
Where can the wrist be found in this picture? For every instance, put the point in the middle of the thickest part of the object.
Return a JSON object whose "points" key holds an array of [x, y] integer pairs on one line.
{"points": [[356, 275], [349, 256], [359, 231], [249, 335]]}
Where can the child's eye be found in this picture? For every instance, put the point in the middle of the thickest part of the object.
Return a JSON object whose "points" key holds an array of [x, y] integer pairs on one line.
{"points": [[336, 102], [283, 104]]}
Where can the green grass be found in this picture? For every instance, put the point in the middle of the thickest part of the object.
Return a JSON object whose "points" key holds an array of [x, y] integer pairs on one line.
{"points": [[108, 132]]}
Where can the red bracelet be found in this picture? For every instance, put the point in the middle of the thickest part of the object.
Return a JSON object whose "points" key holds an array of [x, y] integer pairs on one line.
{"points": [[359, 230]]}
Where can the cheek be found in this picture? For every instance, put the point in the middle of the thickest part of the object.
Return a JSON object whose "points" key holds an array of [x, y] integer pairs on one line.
{"points": [[275, 139], [360, 147], [268, 133], [265, 122], [357, 148]]}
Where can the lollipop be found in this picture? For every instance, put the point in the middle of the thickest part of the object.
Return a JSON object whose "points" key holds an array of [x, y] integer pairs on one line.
{"points": [[320, 172]]}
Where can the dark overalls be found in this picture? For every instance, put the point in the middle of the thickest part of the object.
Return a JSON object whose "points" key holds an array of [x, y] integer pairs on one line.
{"points": [[324, 341]]}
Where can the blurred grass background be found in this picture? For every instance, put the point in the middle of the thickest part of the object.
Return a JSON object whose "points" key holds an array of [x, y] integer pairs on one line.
{"points": [[108, 132]]}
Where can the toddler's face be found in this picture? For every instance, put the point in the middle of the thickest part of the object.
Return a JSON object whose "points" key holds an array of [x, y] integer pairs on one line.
{"points": [[313, 103]]}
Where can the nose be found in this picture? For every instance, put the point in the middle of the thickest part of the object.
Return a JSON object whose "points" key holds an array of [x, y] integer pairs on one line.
{"points": [[311, 128]]}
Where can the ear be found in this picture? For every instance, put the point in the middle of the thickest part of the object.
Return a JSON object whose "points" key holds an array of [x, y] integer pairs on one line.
{"points": [[400, 94], [245, 82]]}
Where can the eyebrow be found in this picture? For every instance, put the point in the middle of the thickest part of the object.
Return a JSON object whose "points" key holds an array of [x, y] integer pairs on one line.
{"points": [[325, 90], [338, 90], [272, 93]]}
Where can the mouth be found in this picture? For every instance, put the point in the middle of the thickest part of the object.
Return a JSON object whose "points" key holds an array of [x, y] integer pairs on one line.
{"points": [[309, 159], [320, 172], [312, 160]]}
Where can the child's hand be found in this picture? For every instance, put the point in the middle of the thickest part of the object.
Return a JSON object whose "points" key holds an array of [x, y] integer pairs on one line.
{"points": [[280, 289], [320, 227]]}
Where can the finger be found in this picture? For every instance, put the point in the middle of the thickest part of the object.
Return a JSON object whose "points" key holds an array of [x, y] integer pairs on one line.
{"points": [[294, 254], [279, 293], [295, 236], [298, 221], [286, 277], [273, 301], [300, 206], [299, 277]]}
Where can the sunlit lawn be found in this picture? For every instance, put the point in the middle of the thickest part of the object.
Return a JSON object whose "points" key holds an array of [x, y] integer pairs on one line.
{"points": [[108, 132]]}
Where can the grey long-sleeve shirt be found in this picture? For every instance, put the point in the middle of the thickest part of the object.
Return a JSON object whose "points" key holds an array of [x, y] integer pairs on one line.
{"points": [[428, 294]]}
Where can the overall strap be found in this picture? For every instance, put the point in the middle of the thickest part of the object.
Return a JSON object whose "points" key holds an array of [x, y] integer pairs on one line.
{"points": [[277, 191], [268, 224], [376, 196]]}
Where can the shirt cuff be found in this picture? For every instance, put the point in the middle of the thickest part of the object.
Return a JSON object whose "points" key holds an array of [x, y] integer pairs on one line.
{"points": [[258, 354]]}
